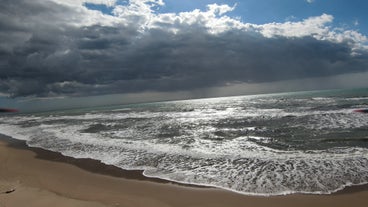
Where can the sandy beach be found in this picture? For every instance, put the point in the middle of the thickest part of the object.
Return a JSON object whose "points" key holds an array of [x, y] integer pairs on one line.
{"points": [[36, 177]]}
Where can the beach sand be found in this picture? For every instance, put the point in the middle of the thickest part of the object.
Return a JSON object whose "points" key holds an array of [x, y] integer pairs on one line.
{"points": [[35, 177]]}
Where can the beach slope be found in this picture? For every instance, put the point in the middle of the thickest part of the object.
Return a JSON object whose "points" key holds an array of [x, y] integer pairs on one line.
{"points": [[29, 178]]}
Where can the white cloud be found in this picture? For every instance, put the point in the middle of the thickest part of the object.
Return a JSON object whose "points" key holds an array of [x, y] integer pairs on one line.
{"points": [[213, 20], [137, 48], [356, 22], [109, 3], [317, 27], [313, 26], [140, 14], [219, 9]]}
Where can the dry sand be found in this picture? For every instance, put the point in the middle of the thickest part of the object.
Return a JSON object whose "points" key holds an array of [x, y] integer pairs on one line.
{"points": [[35, 177]]}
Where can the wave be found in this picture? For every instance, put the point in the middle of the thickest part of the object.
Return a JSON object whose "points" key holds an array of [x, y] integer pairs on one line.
{"points": [[255, 146], [239, 165]]}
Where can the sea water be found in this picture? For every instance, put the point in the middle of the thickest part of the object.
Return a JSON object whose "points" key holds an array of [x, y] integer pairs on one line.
{"points": [[305, 142]]}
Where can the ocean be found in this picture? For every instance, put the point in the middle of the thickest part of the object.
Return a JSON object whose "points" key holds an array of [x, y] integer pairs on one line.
{"points": [[272, 144]]}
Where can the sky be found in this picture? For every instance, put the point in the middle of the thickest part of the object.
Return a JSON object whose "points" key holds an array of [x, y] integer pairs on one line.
{"points": [[76, 53]]}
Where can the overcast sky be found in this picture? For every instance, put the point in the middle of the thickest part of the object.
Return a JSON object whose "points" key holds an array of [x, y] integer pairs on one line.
{"points": [[148, 50]]}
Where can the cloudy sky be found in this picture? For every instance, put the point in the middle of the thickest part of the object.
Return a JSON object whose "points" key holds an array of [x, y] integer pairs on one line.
{"points": [[142, 50]]}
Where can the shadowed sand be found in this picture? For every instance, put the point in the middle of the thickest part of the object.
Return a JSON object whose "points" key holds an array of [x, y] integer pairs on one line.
{"points": [[35, 177]]}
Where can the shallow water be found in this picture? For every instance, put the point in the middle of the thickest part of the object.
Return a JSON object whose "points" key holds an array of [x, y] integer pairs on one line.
{"points": [[309, 142]]}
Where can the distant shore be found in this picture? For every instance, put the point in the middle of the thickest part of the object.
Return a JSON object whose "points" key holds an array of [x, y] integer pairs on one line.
{"points": [[37, 177]]}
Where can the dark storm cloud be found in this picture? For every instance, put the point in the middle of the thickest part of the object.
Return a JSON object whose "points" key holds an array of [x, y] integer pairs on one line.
{"points": [[42, 54]]}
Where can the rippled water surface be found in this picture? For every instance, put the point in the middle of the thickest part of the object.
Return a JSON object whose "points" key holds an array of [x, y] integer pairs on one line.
{"points": [[310, 142]]}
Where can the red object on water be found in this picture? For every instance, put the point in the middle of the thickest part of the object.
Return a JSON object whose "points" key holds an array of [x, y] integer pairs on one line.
{"points": [[361, 110], [8, 110]]}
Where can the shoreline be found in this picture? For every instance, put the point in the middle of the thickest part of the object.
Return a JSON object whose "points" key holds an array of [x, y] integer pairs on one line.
{"points": [[92, 183], [91, 165]]}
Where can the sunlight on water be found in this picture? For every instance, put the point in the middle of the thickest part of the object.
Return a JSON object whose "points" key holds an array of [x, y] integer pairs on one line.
{"points": [[266, 145]]}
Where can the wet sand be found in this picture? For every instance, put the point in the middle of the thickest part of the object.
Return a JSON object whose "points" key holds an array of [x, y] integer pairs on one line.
{"points": [[37, 177]]}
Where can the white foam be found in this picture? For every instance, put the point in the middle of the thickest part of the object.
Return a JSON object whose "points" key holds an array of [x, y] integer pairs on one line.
{"points": [[189, 166], [197, 154], [356, 99], [14, 132]]}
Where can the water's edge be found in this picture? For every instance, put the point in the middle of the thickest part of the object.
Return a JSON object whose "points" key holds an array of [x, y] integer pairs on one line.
{"points": [[98, 167], [261, 145], [88, 164]]}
